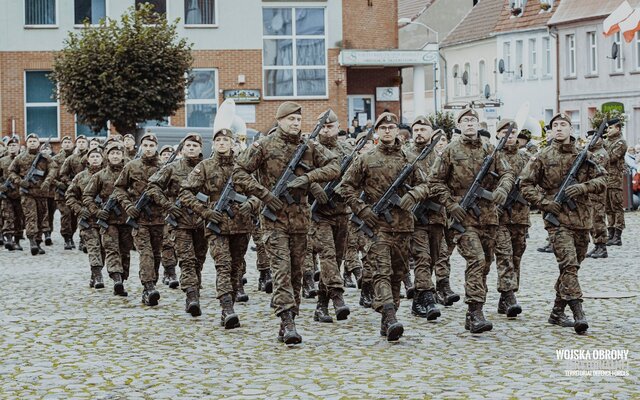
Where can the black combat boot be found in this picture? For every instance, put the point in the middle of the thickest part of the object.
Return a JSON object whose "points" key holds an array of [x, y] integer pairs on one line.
{"points": [[429, 301], [600, 251], [40, 249], [408, 286], [348, 282], [229, 319], [96, 273], [67, 242], [47, 239], [558, 317], [616, 240], [502, 305], [590, 253], [394, 328], [512, 306], [150, 295], [118, 285], [342, 310], [366, 294], [418, 306], [444, 294], [546, 248], [82, 247], [357, 273], [581, 324], [2, 240], [265, 284], [170, 276], [288, 334], [34, 246], [73, 244], [321, 314], [241, 296], [316, 273], [610, 232], [309, 290], [17, 246], [192, 303], [9, 244], [475, 321]]}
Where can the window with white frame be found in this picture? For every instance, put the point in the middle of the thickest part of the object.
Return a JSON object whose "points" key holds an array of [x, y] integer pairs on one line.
{"points": [[200, 12], [519, 56], [571, 55], [533, 58], [546, 57], [41, 105], [638, 51], [40, 12], [617, 63], [575, 120], [159, 7], [482, 76], [294, 52], [91, 11], [456, 80], [506, 56], [467, 87], [201, 103], [592, 41]]}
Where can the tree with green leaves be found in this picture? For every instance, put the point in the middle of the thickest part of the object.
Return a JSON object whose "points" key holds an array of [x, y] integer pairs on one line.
{"points": [[444, 120], [600, 116], [126, 72]]}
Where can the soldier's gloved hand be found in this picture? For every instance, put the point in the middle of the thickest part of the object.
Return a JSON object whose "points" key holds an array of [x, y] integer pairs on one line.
{"points": [[500, 196], [103, 215], [274, 203], [84, 213], [576, 190], [407, 201], [245, 209], [132, 212], [551, 207], [302, 180], [369, 218], [25, 184], [213, 216], [61, 186], [318, 193], [176, 211], [457, 212], [45, 186]]}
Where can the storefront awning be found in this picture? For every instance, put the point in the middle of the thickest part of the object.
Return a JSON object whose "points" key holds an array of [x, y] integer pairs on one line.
{"points": [[387, 58]]}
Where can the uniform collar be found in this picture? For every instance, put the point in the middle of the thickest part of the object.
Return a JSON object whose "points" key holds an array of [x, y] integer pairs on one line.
{"points": [[511, 149], [224, 160], [565, 147], [390, 148], [330, 143], [471, 141], [288, 137]]}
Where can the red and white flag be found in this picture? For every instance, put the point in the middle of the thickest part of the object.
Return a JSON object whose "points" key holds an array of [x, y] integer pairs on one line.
{"points": [[611, 25], [630, 26]]}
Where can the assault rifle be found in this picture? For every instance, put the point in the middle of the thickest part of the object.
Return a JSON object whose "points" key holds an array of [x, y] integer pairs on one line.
{"points": [[143, 205], [83, 222], [33, 172], [228, 196], [420, 210], [475, 192], [110, 206], [391, 198], [7, 186], [280, 189], [513, 197], [572, 176], [171, 219], [330, 188]]}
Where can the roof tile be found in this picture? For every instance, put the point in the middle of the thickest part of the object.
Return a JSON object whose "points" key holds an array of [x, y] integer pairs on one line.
{"points": [[478, 24]]}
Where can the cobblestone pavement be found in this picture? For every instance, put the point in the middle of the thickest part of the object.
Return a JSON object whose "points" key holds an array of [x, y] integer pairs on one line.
{"points": [[59, 339]]}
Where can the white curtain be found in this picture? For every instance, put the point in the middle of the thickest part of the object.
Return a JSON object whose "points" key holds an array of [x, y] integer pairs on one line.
{"points": [[40, 12]]}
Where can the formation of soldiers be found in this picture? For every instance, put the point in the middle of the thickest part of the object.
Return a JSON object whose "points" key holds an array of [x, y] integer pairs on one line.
{"points": [[316, 205]]}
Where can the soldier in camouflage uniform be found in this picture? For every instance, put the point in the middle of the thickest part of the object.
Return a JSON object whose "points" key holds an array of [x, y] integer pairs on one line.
{"points": [[599, 204], [90, 234], [452, 174], [72, 166], [47, 189], [388, 251], [229, 247], [616, 146], [11, 208], [130, 146], [265, 283], [169, 257], [67, 218], [34, 203], [570, 240], [286, 237]]}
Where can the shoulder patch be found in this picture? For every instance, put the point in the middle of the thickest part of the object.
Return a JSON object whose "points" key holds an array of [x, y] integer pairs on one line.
{"points": [[256, 144], [196, 170]]}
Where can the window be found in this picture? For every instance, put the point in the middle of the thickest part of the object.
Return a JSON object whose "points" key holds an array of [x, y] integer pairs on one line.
{"points": [[533, 59], [201, 102], [575, 120], [82, 129], [40, 12], [456, 80], [294, 53], [571, 56], [41, 105], [506, 54], [89, 10], [546, 57], [467, 87], [519, 66], [617, 63], [200, 12], [593, 53], [482, 78], [159, 6]]}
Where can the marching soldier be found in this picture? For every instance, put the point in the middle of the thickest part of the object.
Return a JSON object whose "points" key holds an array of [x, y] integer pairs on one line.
{"points": [[452, 175], [265, 283], [67, 218], [13, 218], [72, 166], [388, 251], [45, 149], [570, 239], [169, 258], [616, 146], [130, 146], [599, 203], [286, 237]]}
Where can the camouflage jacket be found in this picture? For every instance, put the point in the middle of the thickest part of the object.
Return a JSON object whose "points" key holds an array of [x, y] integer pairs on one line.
{"points": [[548, 169], [616, 146], [102, 184], [519, 212], [374, 172], [20, 166], [73, 195], [209, 177], [164, 188], [269, 157], [5, 162], [56, 165], [132, 183], [340, 149], [435, 218], [453, 173], [71, 167], [601, 157]]}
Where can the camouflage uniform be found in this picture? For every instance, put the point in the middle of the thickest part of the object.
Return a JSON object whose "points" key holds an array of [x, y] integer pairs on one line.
{"points": [[599, 200], [13, 218], [616, 146], [262, 258], [62, 177], [355, 246]]}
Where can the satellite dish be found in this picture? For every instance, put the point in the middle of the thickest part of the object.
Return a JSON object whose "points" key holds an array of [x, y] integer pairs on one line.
{"points": [[465, 77], [614, 51], [501, 66], [487, 91]]}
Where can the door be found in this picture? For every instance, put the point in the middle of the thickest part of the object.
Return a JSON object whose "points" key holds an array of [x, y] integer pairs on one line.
{"points": [[361, 107]]}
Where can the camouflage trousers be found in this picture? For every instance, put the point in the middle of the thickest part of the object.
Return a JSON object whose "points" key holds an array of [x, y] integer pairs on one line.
{"points": [[51, 210], [443, 264], [13, 218], [598, 217], [91, 238], [328, 239], [426, 244], [287, 253], [570, 248], [68, 219], [262, 258], [191, 248], [355, 245], [388, 254], [476, 246], [228, 253], [148, 241], [615, 209], [168, 254], [511, 242], [117, 243], [36, 215]]}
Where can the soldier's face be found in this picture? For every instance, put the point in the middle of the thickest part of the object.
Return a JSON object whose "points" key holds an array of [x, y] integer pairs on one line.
{"points": [[33, 143], [291, 123], [330, 130], [93, 144], [422, 133], [67, 144], [513, 137], [222, 144], [164, 156], [13, 148], [46, 151], [94, 159], [468, 126], [115, 157], [442, 144], [561, 130], [387, 132], [82, 144], [522, 142], [129, 143], [149, 147], [191, 149], [613, 129]]}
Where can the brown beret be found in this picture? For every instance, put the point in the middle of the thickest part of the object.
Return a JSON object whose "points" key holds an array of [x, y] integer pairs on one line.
{"points": [[128, 135], [80, 137], [32, 135], [288, 108], [422, 120], [94, 150], [167, 148], [504, 123], [386, 117], [65, 138], [115, 145], [13, 139], [332, 117], [224, 132], [561, 116], [469, 112], [149, 136], [194, 137]]}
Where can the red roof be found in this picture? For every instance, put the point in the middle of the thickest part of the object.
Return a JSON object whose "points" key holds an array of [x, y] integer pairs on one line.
{"points": [[478, 24], [532, 17], [412, 8]]}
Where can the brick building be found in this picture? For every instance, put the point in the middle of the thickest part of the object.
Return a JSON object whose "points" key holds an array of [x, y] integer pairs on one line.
{"points": [[274, 50]]}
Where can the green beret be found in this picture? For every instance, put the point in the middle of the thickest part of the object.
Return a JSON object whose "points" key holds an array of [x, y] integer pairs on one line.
{"points": [[421, 120], [32, 135], [331, 118], [114, 145], [560, 116], [167, 148], [386, 117], [94, 150], [288, 108], [149, 136], [504, 123], [467, 112]]}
